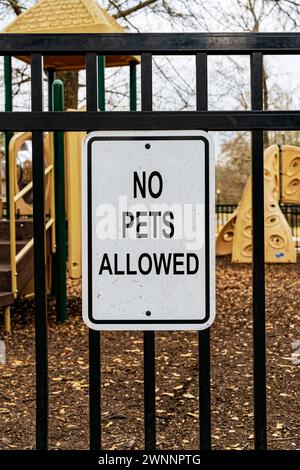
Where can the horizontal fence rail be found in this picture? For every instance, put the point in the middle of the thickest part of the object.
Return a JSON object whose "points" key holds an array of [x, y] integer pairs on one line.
{"points": [[146, 45], [155, 43], [123, 120]]}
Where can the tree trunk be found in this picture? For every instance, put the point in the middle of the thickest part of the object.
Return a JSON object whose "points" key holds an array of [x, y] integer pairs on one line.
{"points": [[70, 81]]}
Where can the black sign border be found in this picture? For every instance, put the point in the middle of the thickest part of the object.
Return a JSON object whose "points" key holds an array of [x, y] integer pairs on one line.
{"points": [[207, 231]]}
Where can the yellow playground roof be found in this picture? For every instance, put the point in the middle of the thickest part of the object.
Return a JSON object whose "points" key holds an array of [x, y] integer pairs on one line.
{"points": [[66, 17]]}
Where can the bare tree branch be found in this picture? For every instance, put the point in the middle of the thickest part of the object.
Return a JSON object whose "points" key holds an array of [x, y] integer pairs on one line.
{"points": [[14, 5], [129, 11]]}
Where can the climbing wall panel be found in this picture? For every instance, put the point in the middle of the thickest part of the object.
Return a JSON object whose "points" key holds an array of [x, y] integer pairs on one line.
{"points": [[290, 174], [279, 244]]}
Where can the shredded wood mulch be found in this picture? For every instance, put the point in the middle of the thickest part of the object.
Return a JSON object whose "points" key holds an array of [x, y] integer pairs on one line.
{"points": [[177, 373]]}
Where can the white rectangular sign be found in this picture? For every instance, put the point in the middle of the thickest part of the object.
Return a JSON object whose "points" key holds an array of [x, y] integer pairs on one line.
{"points": [[148, 230]]}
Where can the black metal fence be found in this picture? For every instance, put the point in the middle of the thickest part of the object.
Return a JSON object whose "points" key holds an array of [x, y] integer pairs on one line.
{"points": [[291, 212], [223, 212], [256, 120]]}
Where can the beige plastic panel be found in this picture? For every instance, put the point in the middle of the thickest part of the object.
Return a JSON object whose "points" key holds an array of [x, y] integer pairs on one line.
{"points": [[290, 176], [73, 145], [241, 245], [225, 237], [279, 244]]}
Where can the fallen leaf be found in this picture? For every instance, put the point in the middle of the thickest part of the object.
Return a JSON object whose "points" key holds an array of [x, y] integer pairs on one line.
{"points": [[188, 395]]}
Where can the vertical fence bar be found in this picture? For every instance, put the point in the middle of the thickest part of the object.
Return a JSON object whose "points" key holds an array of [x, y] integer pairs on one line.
{"points": [[201, 82], [203, 336], [146, 82], [101, 82], [41, 335], [94, 336], [60, 210], [8, 134], [51, 78], [258, 260], [132, 87], [149, 336]]}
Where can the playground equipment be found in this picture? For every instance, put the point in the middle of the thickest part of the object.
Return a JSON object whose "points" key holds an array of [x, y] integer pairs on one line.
{"points": [[281, 185], [16, 234], [62, 166], [67, 17]]}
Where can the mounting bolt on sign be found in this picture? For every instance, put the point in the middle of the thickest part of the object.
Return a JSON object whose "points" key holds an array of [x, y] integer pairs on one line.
{"points": [[148, 230]]}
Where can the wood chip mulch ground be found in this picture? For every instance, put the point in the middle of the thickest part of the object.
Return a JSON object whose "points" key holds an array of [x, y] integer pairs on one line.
{"points": [[177, 373]]}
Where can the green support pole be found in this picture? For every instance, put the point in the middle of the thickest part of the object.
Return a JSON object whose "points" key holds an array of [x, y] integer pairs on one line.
{"points": [[132, 87], [8, 134], [101, 82], [60, 213], [51, 78]]}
